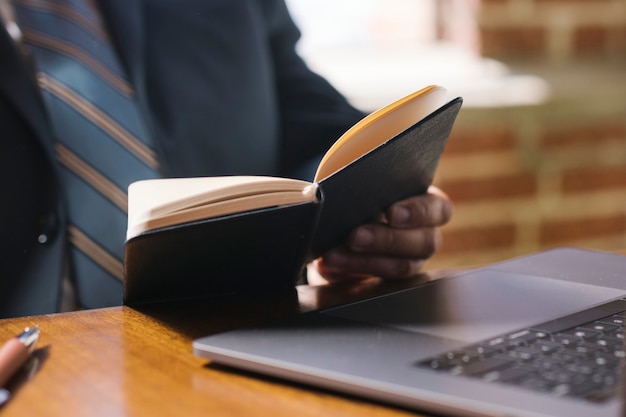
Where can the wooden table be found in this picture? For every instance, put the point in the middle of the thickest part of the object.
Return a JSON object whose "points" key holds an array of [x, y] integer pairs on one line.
{"points": [[125, 361]]}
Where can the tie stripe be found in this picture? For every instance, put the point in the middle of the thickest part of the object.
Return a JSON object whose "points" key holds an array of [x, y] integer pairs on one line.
{"points": [[92, 177], [67, 12], [99, 118], [94, 251], [72, 51]]}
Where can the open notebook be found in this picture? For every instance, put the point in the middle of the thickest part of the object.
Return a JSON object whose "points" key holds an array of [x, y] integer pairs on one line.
{"points": [[198, 237]]}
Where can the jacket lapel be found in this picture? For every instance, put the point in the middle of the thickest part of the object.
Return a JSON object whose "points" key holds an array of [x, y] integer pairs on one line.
{"points": [[17, 85]]}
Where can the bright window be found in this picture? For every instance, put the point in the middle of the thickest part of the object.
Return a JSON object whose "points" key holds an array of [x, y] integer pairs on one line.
{"points": [[376, 51]]}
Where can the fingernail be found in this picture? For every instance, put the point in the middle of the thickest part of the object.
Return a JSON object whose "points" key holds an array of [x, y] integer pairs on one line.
{"points": [[362, 238], [447, 211], [400, 215], [334, 258]]}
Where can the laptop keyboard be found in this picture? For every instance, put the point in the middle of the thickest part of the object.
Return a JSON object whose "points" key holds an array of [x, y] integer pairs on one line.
{"points": [[579, 355]]}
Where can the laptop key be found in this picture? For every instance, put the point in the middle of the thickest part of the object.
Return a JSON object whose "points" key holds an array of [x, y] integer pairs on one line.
{"points": [[599, 326], [584, 348], [584, 368], [482, 367], [609, 342], [606, 360], [617, 320], [566, 339], [546, 346], [525, 337], [480, 351], [524, 353], [583, 333]]}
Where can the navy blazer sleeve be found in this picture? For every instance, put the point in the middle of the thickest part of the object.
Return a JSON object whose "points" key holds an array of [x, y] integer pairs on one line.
{"points": [[313, 113]]}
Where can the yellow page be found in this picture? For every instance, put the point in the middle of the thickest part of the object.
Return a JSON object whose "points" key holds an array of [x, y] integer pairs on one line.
{"points": [[378, 127]]}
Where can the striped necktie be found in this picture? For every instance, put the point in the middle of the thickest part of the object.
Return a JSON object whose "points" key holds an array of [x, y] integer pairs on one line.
{"points": [[102, 145]]}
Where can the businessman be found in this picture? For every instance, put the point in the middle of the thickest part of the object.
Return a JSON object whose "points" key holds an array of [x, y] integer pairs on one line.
{"points": [[220, 90]]}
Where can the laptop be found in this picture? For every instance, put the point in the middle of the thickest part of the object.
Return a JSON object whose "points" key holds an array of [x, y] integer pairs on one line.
{"points": [[539, 335]]}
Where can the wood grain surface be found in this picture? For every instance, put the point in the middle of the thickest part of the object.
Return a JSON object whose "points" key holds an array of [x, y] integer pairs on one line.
{"points": [[125, 361]]}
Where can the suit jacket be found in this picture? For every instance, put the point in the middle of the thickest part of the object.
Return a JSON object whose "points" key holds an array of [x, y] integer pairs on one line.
{"points": [[222, 91]]}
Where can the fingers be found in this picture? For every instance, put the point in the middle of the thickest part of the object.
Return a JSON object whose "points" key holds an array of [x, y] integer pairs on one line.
{"points": [[395, 247], [399, 254], [410, 229], [432, 209], [341, 264], [380, 250], [382, 239]]}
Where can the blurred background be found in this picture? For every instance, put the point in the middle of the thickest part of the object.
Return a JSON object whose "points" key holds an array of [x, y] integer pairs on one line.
{"points": [[537, 158]]}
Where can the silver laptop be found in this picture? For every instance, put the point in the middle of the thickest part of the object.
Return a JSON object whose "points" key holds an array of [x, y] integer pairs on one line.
{"points": [[540, 335]]}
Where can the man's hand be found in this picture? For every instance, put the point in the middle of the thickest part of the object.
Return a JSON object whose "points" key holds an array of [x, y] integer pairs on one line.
{"points": [[394, 247]]}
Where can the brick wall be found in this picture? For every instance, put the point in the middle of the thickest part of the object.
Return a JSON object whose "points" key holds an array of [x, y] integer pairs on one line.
{"points": [[532, 177], [526, 178], [557, 30]]}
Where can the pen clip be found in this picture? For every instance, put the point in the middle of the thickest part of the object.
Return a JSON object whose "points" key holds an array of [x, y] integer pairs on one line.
{"points": [[29, 337], [4, 395]]}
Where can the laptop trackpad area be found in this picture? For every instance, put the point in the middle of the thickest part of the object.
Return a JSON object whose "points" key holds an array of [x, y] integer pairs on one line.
{"points": [[478, 305]]}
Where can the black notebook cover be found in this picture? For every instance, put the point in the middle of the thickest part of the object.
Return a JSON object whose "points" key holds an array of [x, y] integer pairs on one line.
{"points": [[402, 167], [258, 251]]}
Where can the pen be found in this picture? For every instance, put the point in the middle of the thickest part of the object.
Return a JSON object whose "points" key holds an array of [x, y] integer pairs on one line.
{"points": [[15, 352]]}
